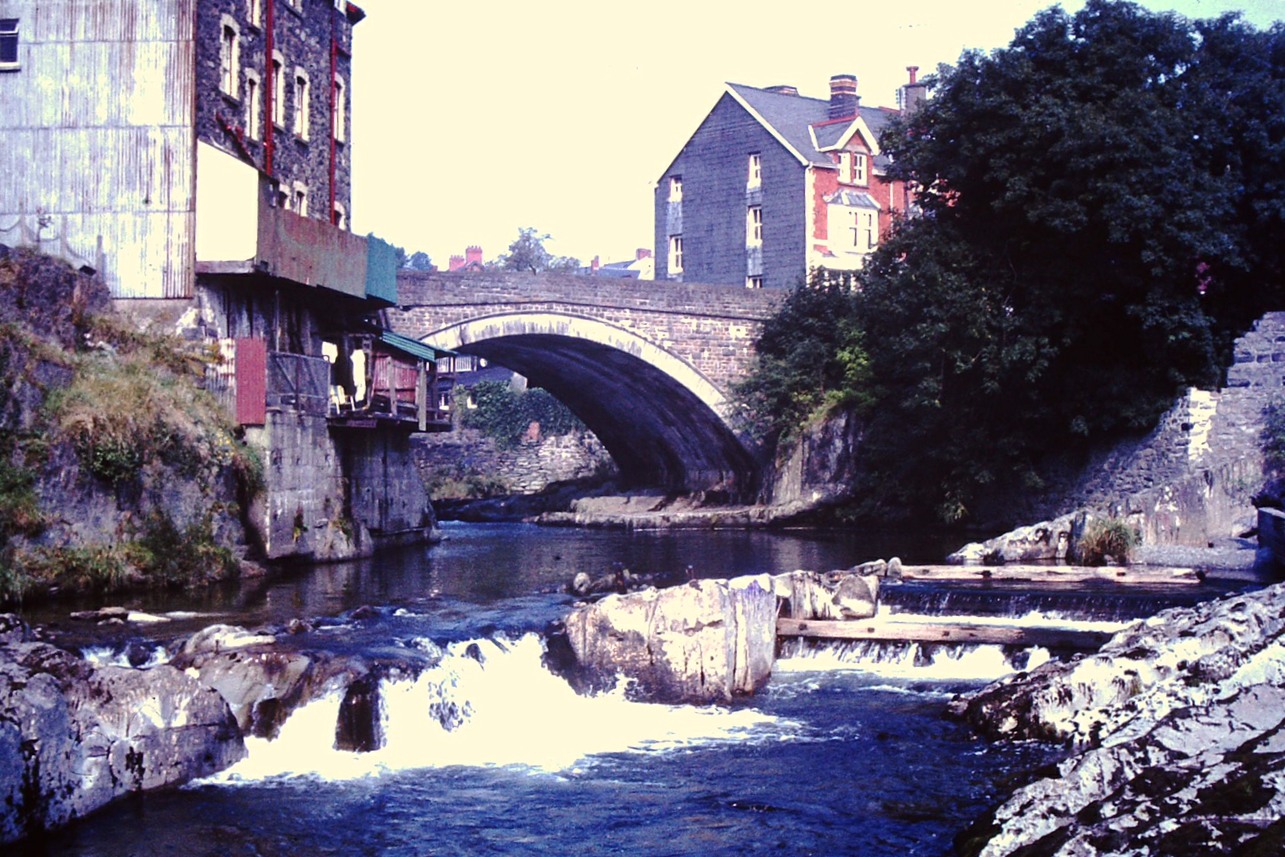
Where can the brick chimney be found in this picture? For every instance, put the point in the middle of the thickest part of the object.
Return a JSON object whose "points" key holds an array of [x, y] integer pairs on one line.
{"points": [[456, 263], [913, 93], [844, 101], [783, 89], [472, 254], [595, 265]]}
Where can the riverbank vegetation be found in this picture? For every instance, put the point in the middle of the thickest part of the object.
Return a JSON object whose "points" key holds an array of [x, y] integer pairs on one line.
{"points": [[116, 467], [1100, 213]]}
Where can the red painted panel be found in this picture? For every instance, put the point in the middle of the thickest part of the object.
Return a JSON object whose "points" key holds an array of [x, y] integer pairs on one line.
{"points": [[251, 382]]}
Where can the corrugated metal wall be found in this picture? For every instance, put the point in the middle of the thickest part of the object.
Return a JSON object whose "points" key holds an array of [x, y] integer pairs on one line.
{"points": [[99, 138]]}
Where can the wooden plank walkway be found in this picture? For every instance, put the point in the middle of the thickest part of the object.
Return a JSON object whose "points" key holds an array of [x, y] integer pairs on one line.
{"points": [[1054, 574], [940, 632]]}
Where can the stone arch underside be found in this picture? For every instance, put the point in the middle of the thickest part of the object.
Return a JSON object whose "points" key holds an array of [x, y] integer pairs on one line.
{"points": [[663, 423]]}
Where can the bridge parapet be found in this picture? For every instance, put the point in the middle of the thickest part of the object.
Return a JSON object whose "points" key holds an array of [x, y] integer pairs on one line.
{"points": [[711, 327]]}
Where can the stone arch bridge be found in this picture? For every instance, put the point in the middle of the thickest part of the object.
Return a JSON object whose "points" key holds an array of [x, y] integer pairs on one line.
{"points": [[646, 365]]}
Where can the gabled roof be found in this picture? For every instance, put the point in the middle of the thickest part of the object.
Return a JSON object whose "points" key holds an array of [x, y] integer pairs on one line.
{"points": [[803, 125]]}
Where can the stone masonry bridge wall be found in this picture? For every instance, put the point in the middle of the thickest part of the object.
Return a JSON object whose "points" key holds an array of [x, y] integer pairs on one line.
{"points": [[710, 327]]}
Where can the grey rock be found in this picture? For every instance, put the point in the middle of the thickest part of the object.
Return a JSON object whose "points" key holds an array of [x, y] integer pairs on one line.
{"points": [[74, 737], [1178, 726], [705, 641]]}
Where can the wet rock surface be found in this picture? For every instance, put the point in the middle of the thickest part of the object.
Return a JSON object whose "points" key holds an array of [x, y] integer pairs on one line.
{"points": [[1177, 728], [74, 736], [705, 641]]}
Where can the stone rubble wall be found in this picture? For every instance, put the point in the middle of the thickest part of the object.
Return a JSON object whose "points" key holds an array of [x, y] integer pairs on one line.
{"points": [[527, 468]]}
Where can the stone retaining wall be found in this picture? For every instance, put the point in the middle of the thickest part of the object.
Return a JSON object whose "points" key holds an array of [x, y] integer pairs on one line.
{"points": [[527, 468]]}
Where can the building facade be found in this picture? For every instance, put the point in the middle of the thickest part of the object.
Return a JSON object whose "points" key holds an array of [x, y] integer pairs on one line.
{"points": [[196, 155], [774, 184]]}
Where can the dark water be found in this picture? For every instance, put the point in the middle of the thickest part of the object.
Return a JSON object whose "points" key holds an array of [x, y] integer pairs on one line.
{"points": [[840, 755]]}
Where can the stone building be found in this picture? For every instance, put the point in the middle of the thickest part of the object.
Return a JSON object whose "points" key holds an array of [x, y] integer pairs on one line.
{"points": [[196, 154], [774, 184]]}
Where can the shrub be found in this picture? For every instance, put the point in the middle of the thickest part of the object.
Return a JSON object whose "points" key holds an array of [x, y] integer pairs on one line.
{"points": [[1108, 538], [504, 415]]}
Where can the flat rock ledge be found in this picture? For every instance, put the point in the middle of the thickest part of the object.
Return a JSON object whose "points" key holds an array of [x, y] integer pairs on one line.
{"points": [[74, 737], [1177, 732]]}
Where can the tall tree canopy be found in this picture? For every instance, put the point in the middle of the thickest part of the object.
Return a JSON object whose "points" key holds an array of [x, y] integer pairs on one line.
{"points": [[1101, 211], [528, 253]]}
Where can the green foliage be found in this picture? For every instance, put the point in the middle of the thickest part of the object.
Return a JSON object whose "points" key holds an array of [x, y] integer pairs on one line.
{"points": [[1080, 252], [504, 414], [528, 253], [464, 483], [161, 554], [19, 506], [1107, 539], [810, 356], [120, 413]]}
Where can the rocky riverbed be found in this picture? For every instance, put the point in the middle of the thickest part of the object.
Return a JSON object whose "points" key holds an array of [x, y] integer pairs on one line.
{"points": [[1177, 727]]}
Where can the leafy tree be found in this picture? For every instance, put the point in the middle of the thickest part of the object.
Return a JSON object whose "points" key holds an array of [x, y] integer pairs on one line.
{"points": [[1102, 207], [419, 261], [528, 253], [808, 357]]}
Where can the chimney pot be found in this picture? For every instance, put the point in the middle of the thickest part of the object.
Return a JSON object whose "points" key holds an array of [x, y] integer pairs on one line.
{"points": [[914, 73], [844, 101]]}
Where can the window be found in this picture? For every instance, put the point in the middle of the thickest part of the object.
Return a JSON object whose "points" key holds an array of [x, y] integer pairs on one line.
{"points": [[9, 44], [299, 199], [675, 254], [755, 178], [278, 91], [865, 230], [301, 104], [675, 188], [341, 110], [754, 282], [340, 218], [754, 225], [229, 57], [253, 105], [858, 168], [254, 12]]}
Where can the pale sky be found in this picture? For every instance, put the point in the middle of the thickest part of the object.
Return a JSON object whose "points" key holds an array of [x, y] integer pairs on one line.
{"points": [[472, 120]]}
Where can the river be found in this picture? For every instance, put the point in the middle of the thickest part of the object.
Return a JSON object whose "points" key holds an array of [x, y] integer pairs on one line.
{"points": [[847, 751]]}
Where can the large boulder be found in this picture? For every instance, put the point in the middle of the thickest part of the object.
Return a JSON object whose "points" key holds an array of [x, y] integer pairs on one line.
{"points": [[837, 595], [1177, 725], [705, 641], [74, 736]]}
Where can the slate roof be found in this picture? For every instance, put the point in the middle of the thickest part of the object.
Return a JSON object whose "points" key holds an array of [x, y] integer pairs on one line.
{"points": [[793, 117]]}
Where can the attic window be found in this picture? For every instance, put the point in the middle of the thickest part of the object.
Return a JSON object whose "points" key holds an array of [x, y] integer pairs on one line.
{"points": [[9, 44], [755, 178], [675, 188]]}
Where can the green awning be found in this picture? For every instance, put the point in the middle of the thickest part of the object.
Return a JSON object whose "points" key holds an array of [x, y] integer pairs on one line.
{"points": [[413, 347]]}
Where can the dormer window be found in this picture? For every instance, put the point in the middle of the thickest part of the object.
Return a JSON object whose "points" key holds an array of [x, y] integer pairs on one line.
{"points": [[859, 169]]}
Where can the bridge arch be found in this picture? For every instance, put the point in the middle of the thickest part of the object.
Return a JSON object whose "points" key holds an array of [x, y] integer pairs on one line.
{"points": [[664, 422]]}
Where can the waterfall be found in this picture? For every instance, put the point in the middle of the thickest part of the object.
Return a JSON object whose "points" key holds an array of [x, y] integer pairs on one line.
{"points": [[490, 702], [935, 662]]}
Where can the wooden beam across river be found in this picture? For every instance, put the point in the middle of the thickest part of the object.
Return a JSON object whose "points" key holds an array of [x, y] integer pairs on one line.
{"points": [[1137, 575], [940, 632]]}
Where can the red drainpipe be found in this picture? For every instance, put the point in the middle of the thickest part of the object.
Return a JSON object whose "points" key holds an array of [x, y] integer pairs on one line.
{"points": [[334, 69], [269, 93]]}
